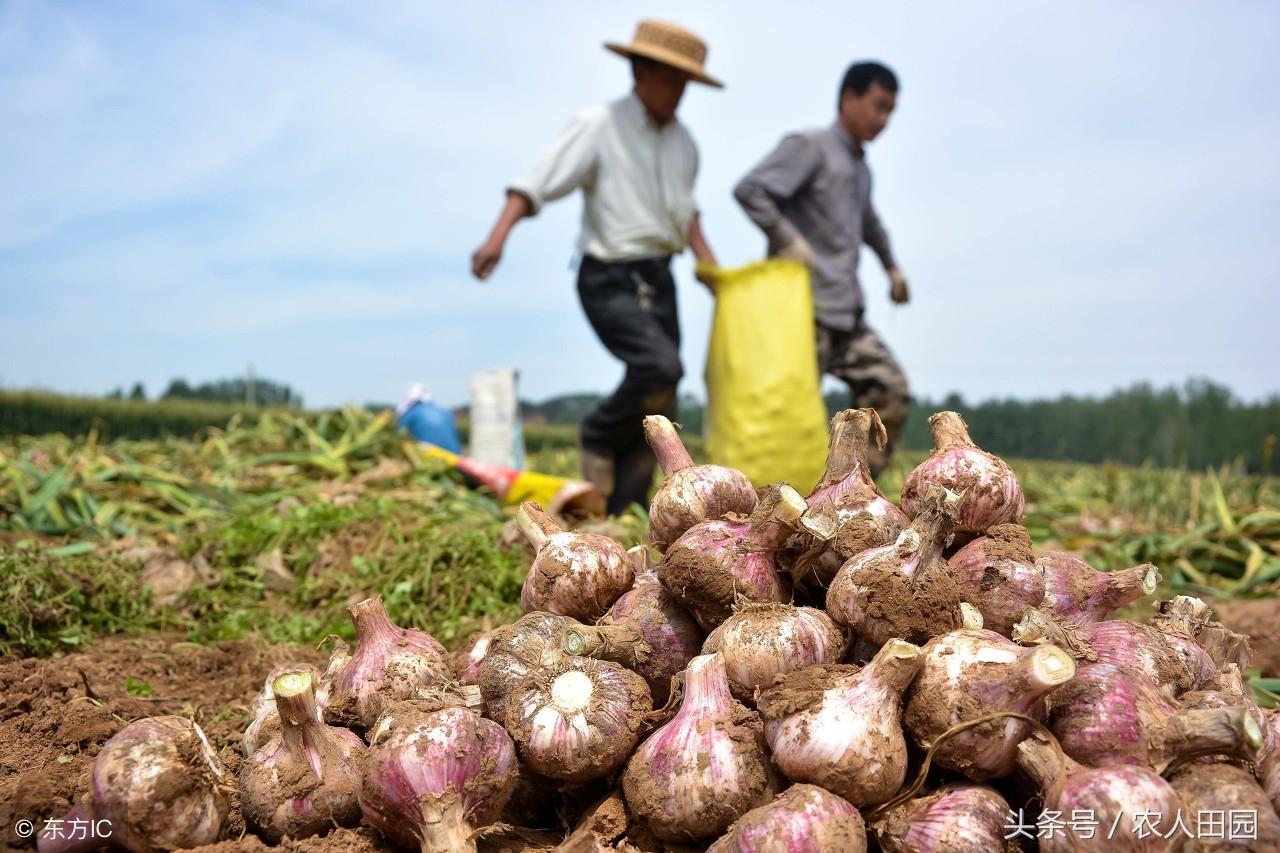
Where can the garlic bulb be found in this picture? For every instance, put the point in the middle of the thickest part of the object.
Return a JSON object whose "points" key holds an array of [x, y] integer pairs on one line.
{"points": [[578, 575], [690, 494], [990, 493], [761, 641], [1080, 594], [306, 779], [435, 775], [517, 648], [707, 767], [963, 817], [671, 632], [1000, 576], [577, 719], [841, 728], [1123, 797], [906, 590], [717, 563], [802, 819], [159, 785], [847, 513], [389, 663], [968, 674]]}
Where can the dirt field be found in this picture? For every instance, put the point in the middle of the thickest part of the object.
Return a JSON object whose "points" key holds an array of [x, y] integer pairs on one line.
{"points": [[55, 714], [1260, 619]]}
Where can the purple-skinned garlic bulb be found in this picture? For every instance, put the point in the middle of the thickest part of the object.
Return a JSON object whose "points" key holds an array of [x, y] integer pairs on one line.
{"points": [[847, 513], [690, 494], [905, 590], [960, 817], [716, 564], [968, 674], [1000, 576], [577, 719], [762, 641], [704, 769], [671, 632], [388, 664], [434, 775], [989, 491], [516, 649], [306, 779], [1080, 594], [1124, 797], [578, 575], [1107, 715], [840, 727], [157, 784], [802, 819], [1173, 662]]}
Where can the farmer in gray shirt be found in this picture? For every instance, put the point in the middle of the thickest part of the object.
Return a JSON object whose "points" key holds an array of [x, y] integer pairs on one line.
{"points": [[812, 198]]}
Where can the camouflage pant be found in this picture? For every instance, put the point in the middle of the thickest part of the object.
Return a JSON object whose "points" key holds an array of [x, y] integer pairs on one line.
{"points": [[875, 379]]}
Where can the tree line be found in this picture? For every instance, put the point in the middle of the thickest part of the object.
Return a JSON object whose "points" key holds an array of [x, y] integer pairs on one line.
{"points": [[241, 391], [1196, 425]]}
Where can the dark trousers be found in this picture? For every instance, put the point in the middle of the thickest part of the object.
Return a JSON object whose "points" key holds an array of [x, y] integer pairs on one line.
{"points": [[875, 378], [632, 307]]}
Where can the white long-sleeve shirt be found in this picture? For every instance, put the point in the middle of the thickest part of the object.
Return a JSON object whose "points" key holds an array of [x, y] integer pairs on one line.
{"points": [[636, 180]]}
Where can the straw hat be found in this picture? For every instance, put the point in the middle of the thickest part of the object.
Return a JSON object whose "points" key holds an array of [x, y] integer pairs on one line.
{"points": [[669, 44]]}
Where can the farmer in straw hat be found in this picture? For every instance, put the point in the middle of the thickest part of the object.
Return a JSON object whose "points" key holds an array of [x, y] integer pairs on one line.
{"points": [[635, 164]]}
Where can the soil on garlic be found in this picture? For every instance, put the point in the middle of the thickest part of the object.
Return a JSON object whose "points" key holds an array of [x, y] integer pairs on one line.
{"points": [[1009, 542], [644, 795], [858, 534], [717, 590], [801, 689], [920, 611]]}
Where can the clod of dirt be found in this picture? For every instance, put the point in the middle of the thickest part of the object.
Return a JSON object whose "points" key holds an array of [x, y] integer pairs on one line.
{"points": [[168, 580], [1257, 619]]}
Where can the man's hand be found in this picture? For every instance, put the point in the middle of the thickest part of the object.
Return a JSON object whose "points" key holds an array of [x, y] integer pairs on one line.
{"points": [[705, 266], [705, 272], [898, 286], [798, 250], [485, 259]]}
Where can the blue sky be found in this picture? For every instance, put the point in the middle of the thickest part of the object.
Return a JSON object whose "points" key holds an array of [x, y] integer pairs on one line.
{"points": [[1082, 194]]}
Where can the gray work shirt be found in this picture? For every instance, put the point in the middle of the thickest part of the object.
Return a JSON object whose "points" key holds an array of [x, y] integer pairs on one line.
{"points": [[817, 183]]}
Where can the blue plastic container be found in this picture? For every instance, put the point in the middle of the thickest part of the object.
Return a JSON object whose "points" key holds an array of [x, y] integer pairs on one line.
{"points": [[432, 423]]}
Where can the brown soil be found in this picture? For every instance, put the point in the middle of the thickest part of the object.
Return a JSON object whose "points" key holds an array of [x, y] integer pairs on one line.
{"points": [[1258, 619], [1009, 542], [913, 611], [862, 531], [799, 690], [55, 715]]}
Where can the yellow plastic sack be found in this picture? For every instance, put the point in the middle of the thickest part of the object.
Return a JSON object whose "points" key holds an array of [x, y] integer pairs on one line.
{"points": [[765, 414]]}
